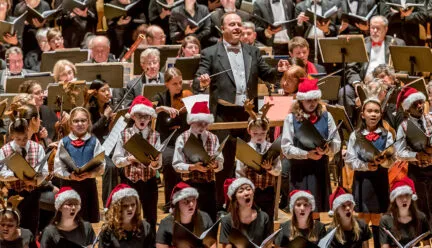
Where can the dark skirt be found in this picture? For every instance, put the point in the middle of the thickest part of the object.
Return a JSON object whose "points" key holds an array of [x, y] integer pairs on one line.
{"points": [[312, 175], [371, 191], [87, 190]]}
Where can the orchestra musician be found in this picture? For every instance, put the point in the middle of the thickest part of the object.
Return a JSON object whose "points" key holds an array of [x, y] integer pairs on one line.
{"points": [[15, 64]]}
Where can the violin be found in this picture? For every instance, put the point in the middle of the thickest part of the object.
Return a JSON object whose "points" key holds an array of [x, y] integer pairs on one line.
{"points": [[177, 102]]}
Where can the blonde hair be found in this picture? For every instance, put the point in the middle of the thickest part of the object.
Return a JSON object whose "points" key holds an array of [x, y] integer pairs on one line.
{"points": [[60, 66], [75, 111], [340, 236], [114, 222]]}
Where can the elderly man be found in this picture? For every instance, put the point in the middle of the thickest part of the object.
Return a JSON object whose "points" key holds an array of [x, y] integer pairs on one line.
{"points": [[15, 64], [377, 47], [150, 63], [155, 36], [249, 34], [100, 50]]}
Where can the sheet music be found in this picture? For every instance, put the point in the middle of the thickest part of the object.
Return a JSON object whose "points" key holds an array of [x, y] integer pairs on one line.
{"points": [[326, 240], [191, 100], [114, 135]]}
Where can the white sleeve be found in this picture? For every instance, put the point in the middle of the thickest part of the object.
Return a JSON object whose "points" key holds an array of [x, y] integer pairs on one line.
{"points": [[351, 158], [60, 169], [403, 152], [41, 155], [179, 164], [119, 158], [6, 175], [287, 142], [335, 144]]}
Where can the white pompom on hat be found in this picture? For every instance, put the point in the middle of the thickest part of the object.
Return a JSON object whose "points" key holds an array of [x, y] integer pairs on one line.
{"points": [[200, 112], [297, 194], [402, 187], [337, 198], [64, 194]]}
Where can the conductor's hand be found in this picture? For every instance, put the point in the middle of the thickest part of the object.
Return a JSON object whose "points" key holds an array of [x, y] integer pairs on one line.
{"points": [[198, 167], [204, 80], [313, 154], [283, 65]]}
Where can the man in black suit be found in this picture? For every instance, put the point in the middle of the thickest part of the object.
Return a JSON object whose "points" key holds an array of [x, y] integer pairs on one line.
{"points": [[245, 66], [273, 11], [244, 61], [15, 64], [377, 47]]}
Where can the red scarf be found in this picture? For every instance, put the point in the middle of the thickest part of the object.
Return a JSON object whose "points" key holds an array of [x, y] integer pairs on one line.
{"points": [[78, 142], [372, 136]]}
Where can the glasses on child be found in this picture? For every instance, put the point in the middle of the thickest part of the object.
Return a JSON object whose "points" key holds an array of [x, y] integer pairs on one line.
{"points": [[141, 116]]}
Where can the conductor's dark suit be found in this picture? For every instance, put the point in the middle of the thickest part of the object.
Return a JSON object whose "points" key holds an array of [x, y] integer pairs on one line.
{"points": [[215, 59]]}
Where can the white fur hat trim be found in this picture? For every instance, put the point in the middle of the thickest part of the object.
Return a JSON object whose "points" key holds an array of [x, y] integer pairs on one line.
{"points": [[122, 194], [339, 201], [301, 194], [310, 95], [402, 190], [183, 194], [200, 117], [67, 195], [237, 183], [143, 109], [406, 104]]}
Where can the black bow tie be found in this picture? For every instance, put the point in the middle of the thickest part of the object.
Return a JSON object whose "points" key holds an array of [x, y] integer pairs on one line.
{"points": [[233, 49], [153, 80]]}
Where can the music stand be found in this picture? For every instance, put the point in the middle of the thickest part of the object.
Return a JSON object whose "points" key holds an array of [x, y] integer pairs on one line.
{"points": [[343, 49], [112, 73], [411, 58], [13, 82], [188, 66], [166, 51], [48, 59], [330, 88], [56, 92]]}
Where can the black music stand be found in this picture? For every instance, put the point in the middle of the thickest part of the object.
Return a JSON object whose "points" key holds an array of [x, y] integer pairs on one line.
{"points": [[112, 73], [74, 55], [343, 49], [411, 58]]}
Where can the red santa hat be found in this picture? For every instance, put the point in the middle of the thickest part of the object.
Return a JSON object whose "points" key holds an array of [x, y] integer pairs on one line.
{"points": [[408, 96], [64, 194], [234, 184], [119, 192], [142, 105], [297, 194], [337, 198], [402, 187], [200, 112], [182, 191], [308, 89]]}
